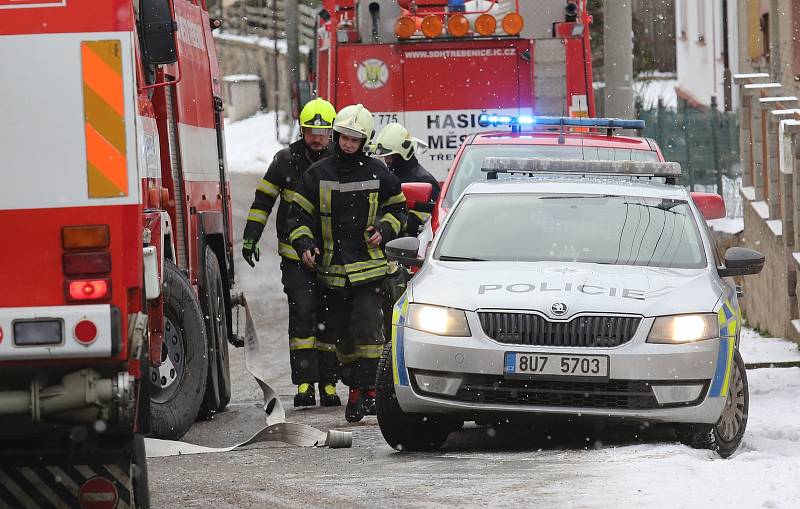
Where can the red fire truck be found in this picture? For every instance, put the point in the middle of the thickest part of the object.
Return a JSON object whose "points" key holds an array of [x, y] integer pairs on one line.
{"points": [[116, 268], [435, 65]]}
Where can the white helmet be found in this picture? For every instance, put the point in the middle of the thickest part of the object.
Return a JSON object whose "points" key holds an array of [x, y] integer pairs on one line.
{"points": [[355, 121], [395, 139]]}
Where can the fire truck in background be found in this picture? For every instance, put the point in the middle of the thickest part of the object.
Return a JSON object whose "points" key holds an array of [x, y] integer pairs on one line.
{"points": [[436, 65], [116, 269]]}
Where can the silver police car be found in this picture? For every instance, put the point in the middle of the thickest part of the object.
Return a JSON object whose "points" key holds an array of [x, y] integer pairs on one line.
{"points": [[584, 288]]}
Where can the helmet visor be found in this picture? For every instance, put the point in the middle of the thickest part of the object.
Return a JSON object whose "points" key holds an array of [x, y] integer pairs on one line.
{"points": [[382, 151], [347, 131]]}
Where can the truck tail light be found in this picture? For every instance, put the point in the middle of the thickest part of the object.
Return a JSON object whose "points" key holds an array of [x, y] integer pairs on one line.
{"points": [[457, 25], [85, 332], [486, 24], [85, 237], [405, 27], [95, 262], [88, 289], [432, 26], [512, 23]]}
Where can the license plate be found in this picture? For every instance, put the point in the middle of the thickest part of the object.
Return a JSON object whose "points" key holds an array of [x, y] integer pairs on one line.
{"points": [[38, 332], [523, 364]]}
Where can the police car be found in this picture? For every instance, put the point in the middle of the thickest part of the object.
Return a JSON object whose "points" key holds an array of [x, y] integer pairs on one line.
{"points": [[586, 288]]}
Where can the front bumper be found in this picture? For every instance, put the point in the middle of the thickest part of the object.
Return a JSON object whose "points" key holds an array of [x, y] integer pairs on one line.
{"points": [[635, 368]]}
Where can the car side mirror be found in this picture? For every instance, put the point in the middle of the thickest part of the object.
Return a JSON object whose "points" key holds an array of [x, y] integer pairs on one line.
{"points": [[740, 261], [416, 193], [711, 205], [158, 32], [404, 251]]}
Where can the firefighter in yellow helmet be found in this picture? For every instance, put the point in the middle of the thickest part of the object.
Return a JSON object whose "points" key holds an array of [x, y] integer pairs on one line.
{"points": [[346, 208], [299, 282]]}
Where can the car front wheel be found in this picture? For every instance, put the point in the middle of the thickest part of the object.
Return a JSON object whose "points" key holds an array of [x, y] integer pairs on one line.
{"points": [[726, 435], [405, 431]]}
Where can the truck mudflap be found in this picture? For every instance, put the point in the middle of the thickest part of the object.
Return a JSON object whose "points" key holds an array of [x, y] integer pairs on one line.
{"points": [[75, 486], [276, 429]]}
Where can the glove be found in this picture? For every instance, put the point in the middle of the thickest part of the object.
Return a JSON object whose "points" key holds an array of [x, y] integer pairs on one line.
{"points": [[250, 251]]}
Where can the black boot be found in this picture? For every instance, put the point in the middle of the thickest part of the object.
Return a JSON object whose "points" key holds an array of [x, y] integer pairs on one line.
{"points": [[354, 411], [368, 401], [328, 396], [305, 395]]}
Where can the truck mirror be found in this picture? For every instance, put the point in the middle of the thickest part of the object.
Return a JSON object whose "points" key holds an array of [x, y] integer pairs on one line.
{"points": [[158, 30], [711, 205], [416, 192]]}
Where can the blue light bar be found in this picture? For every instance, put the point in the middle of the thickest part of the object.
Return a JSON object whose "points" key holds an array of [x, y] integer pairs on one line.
{"points": [[486, 120]]}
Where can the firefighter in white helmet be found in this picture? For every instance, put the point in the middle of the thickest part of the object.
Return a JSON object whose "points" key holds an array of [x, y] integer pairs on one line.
{"points": [[397, 148], [346, 208]]}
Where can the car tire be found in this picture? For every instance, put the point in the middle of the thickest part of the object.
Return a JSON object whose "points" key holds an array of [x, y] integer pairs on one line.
{"points": [[726, 434], [174, 407], [218, 382], [405, 431]]}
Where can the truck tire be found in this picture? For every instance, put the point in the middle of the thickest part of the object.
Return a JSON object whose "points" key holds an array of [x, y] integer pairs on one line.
{"points": [[141, 490], [218, 384], [404, 431], [725, 436], [178, 384]]}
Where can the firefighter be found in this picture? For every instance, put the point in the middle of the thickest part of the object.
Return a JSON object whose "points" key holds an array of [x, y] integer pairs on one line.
{"points": [[396, 147], [299, 283], [346, 208]]}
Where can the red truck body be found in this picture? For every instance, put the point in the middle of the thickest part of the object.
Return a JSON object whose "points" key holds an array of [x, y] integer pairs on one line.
{"points": [[114, 198], [437, 86]]}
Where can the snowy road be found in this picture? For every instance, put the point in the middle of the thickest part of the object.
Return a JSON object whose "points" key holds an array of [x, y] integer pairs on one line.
{"points": [[554, 464]]}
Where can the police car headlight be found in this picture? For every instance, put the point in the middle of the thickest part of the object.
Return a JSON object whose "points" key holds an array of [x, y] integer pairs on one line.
{"points": [[683, 329], [438, 320]]}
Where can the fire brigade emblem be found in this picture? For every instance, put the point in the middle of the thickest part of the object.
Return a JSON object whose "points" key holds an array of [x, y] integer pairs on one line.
{"points": [[372, 73]]}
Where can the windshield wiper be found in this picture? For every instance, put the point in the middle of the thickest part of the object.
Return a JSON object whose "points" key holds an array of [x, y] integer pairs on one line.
{"points": [[446, 258]]}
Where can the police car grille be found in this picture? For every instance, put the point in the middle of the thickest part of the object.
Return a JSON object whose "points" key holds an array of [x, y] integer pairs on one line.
{"points": [[581, 331], [630, 394]]}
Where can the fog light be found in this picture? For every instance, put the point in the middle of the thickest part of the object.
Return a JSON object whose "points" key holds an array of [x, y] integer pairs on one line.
{"points": [[670, 394], [438, 384]]}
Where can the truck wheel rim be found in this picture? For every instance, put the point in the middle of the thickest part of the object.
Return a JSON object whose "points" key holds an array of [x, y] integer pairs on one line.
{"points": [[165, 379], [732, 417]]}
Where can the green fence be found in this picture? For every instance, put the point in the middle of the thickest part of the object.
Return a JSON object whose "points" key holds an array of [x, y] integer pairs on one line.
{"points": [[705, 143]]}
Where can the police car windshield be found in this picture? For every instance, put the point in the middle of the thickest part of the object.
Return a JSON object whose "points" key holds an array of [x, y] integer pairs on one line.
{"points": [[616, 230], [469, 166]]}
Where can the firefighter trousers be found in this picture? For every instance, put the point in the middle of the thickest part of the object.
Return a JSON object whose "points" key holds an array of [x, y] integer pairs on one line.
{"points": [[352, 319], [306, 353]]}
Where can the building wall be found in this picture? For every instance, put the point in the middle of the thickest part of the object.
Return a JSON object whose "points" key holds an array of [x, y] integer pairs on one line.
{"points": [[699, 50]]}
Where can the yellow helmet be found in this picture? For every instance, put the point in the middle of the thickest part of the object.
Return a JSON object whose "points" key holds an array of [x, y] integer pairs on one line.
{"points": [[395, 139], [355, 121], [318, 114]]}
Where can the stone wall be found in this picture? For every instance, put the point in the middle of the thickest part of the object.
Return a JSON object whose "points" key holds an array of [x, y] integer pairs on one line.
{"points": [[251, 55], [767, 302]]}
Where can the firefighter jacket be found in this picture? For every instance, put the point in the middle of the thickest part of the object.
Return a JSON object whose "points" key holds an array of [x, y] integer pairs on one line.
{"points": [[337, 199], [280, 180], [412, 171]]}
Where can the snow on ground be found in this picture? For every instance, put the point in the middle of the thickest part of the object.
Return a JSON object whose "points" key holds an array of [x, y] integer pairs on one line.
{"points": [[250, 144]]}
